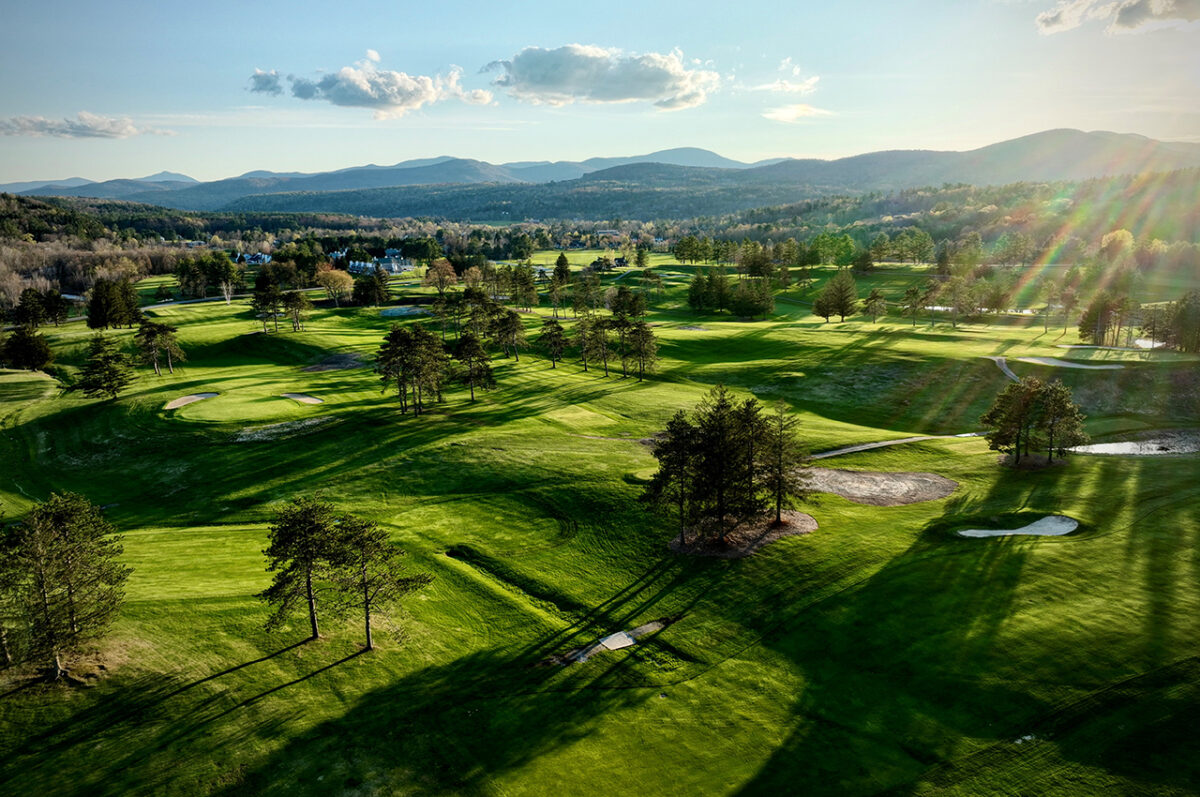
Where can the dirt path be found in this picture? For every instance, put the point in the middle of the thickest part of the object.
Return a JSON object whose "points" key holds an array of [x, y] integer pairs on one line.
{"points": [[876, 488], [748, 539]]}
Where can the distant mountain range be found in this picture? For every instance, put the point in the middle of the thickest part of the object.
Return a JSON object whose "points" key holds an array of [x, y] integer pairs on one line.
{"points": [[670, 183]]}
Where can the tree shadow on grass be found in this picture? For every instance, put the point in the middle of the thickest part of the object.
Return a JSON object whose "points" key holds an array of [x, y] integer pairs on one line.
{"points": [[450, 728]]}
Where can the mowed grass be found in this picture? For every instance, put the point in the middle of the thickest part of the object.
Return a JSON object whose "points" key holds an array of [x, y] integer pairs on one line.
{"points": [[880, 653]]}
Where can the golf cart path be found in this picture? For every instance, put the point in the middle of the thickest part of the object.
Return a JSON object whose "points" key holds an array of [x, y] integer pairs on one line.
{"points": [[1002, 364], [837, 452]]}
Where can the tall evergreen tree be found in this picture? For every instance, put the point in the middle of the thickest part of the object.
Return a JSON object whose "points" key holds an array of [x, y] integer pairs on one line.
{"points": [[302, 552], [476, 364], [106, 371], [369, 571], [63, 574], [1061, 421], [841, 294], [643, 347], [1012, 420], [26, 349], [155, 339], [784, 459], [553, 340], [672, 484], [875, 305]]}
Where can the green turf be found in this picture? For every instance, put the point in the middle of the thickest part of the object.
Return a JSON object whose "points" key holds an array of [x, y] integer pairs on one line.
{"points": [[881, 653]]}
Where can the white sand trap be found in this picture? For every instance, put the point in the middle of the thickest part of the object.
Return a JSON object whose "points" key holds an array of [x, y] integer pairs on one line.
{"points": [[880, 489], [303, 398], [1161, 444], [617, 641], [691, 328], [1057, 363], [183, 401], [1049, 526]]}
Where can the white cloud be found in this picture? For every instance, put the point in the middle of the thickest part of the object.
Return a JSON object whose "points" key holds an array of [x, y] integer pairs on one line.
{"points": [[1123, 16], [786, 65], [784, 86], [262, 82], [795, 113], [84, 125], [590, 74], [390, 94]]}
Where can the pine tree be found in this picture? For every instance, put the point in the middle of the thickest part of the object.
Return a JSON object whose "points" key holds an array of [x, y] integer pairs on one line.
{"points": [[154, 339], [841, 295], [671, 486], [106, 371], [875, 304], [643, 347], [913, 302], [62, 575], [783, 460], [302, 551], [26, 349], [1013, 418], [297, 305], [477, 365], [369, 572], [553, 340], [1061, 420]]}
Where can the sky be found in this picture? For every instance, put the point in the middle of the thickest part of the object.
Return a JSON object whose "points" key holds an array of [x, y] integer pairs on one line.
{"points": [[215, 89]]}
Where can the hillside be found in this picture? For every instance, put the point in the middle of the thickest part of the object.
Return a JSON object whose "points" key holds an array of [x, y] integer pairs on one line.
{"points": [[464, 188]]}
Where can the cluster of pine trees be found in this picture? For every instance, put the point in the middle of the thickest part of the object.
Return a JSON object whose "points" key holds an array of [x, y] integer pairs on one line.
{"points": [[712, 291], [1032, 415], [726, 464], [339, 561]]}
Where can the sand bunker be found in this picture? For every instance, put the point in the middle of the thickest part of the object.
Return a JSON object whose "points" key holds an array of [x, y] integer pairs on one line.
{"points": [[1049, 526], [183, 401], [880, 489], [745, 541], [1057, 363], [303, 398], [1160, 444], [337, 362], [618, 641]]}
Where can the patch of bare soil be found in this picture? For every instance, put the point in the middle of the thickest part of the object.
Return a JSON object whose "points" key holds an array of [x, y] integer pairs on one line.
{"points": [[746, 540], [337, 362], [880, 489]]}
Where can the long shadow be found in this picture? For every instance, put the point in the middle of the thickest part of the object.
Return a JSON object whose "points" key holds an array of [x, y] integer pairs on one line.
{"points": [[137, 702], [159, 716], [915, 641]]}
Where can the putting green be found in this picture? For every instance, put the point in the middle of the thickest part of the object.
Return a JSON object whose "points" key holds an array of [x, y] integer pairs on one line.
{"points": [[243, 405]]}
